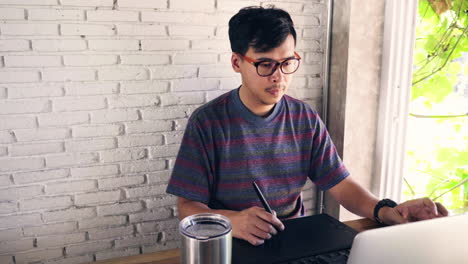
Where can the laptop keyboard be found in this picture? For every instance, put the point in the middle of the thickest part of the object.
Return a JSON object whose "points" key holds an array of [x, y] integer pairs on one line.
{"points": [[337, 257]]}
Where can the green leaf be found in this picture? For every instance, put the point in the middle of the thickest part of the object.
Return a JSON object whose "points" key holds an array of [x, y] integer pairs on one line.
{"points": [[419, 57], [454, 68], [426, 12], [431, 43], [462, 172], [460, 6], [435, 89]]}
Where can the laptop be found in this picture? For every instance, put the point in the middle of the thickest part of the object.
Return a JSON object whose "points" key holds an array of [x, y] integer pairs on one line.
{"points": [[436, 241], [310, 238], [323, 239]]}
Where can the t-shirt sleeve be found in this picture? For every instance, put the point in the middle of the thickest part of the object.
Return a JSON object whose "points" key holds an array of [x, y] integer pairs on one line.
{"points": [[326, 168], [191, 172]]}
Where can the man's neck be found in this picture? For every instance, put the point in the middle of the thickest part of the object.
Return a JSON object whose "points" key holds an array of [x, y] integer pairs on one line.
{"points": [[257, 108]]}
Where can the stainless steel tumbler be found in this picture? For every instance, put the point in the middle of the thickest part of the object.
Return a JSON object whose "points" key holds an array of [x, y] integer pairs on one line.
{"points": [[206, 239]]}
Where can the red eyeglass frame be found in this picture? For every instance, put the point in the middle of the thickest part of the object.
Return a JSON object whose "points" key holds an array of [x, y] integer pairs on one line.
{"points": [[255, 63]]}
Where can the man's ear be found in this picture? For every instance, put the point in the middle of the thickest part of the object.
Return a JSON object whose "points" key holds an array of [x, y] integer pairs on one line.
{"points": [[235, 61]]}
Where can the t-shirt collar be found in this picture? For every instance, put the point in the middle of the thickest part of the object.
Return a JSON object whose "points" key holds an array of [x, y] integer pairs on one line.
{"points": [[245, 113]]}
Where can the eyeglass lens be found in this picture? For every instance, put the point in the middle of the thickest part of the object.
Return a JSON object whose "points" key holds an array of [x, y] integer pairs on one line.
{"points": [[266, 68]]}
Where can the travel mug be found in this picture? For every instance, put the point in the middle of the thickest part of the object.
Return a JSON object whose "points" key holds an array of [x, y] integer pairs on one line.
{"points": [[206, 239]]}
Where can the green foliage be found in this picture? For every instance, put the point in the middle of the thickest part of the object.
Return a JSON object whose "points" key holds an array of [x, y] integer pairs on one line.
{"points": [[437, 161], [439, 40], [437, 151]]}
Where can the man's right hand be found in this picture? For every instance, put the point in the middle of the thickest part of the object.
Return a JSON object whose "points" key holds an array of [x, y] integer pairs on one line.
{"points": [[255, 225]]}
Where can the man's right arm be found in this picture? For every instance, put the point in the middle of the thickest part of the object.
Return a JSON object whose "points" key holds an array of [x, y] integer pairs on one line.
{"points": [[253, 224]]}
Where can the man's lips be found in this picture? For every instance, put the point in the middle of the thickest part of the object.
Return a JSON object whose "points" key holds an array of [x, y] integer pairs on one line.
{"points": [[275, 90]]}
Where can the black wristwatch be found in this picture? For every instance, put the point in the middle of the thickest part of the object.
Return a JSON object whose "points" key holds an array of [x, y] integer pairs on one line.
{"points": [[379, 205]]}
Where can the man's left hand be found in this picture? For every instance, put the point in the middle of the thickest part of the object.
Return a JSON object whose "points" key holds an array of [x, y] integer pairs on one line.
{"points": [[412, 210]]}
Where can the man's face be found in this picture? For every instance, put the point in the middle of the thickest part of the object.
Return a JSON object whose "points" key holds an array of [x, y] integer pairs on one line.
{"points": [[259, 93]]}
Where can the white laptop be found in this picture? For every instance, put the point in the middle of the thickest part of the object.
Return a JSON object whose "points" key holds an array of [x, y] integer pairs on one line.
{"points": [[436, 241]]}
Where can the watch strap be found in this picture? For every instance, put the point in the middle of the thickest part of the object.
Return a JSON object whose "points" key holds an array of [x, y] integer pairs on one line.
{"points": [[383, 203]]}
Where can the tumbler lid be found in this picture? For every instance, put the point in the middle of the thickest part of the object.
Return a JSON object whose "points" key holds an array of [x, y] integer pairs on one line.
{"points": [[205, 226]]}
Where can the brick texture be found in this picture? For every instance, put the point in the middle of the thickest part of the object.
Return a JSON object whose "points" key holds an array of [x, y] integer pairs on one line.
{"points": [[6, 137], [10, 234], [94, 99]]}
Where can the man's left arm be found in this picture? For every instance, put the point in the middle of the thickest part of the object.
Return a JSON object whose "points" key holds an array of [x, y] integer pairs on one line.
{"points": [[362, 202]]}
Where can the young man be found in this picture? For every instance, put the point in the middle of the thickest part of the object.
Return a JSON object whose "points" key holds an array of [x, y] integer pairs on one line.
{"points": [[257, 133]]}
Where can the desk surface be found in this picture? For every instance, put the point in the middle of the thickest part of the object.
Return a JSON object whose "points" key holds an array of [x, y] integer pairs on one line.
{"points": [[172, 256]]}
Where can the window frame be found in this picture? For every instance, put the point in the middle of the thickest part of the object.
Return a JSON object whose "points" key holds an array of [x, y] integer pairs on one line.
{"points": [[395, 92]]}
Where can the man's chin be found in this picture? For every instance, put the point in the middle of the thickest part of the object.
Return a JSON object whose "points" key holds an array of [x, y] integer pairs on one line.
{"points": [[272, 100]]}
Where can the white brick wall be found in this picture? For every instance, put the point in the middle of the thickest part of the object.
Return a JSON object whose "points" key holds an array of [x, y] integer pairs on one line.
{"points": [[94, 97], [14, 45], [12, 14], [55, 14], [58, 45]]}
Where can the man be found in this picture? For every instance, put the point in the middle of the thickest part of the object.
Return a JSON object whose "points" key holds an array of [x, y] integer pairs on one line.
{"points": [[257, 133]]}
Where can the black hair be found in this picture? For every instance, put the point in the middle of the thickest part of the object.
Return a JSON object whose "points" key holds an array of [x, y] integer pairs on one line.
{"points": [[261, 28]]}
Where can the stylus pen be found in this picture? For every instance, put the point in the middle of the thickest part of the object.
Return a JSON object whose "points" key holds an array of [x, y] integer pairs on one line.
{"points": [[264, 201], [262, 198]]}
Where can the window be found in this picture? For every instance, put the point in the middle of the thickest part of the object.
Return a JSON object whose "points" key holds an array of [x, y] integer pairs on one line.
{"points": [[394, 122]]}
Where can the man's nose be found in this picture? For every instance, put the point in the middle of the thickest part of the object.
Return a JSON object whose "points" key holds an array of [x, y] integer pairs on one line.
{"points": [[277, 75]]}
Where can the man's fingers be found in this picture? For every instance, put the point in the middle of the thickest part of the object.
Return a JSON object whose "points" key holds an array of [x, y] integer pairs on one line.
{"points": [[255, 225], [392, 216], [262, 226], [254, 240], [431, 205], [441, 209], [277, 222], [398, 217], [273, 230], [404, 212], [271, 218], [265, 226], [260, 233], [437, 209]]}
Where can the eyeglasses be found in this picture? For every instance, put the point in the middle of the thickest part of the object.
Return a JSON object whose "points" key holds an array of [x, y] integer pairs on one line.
{"points": [[267, 67]]}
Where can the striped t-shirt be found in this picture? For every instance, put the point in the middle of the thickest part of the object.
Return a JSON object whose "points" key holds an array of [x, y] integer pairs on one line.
{"points": [[225, 141]]}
